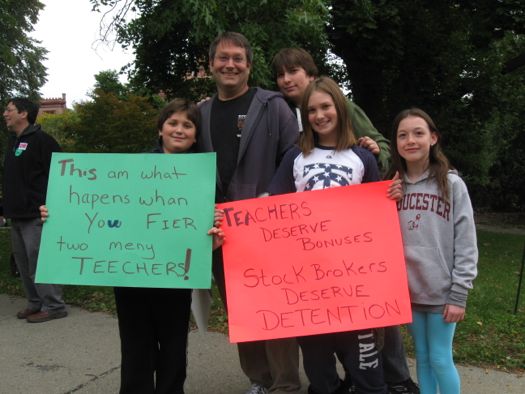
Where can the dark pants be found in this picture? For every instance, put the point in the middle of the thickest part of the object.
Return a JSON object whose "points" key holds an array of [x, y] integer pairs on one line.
{"points": [[153, 325], [395, 363], [357, 352], [395, 366]]}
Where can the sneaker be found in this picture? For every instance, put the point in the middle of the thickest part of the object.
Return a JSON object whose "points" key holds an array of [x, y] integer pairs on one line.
{"points": [[257, 389], [406, 387], [43, 316]]}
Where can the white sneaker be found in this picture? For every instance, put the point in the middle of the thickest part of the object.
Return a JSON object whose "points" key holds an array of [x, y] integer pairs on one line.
{"points": [[257, 389]]}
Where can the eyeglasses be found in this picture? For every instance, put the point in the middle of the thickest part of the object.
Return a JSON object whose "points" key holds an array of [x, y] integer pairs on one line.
{"points": [[226, 59]]}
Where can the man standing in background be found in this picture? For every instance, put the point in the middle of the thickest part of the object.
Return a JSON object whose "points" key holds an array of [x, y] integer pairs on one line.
{"points": [[26, 172]]}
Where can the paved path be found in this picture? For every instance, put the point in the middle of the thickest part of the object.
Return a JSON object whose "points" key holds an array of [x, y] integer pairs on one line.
{"points": [[80, 354]]}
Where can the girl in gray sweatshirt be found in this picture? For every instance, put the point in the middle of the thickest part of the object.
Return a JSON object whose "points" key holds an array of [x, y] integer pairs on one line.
{"points": [[439, 238]]}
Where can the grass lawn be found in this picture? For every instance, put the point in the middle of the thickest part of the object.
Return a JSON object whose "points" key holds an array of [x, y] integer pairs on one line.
{"points": [[491, 336]]}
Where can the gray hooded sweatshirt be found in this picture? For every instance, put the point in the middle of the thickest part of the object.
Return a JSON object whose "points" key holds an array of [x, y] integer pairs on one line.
{"points": [[439, 240]]}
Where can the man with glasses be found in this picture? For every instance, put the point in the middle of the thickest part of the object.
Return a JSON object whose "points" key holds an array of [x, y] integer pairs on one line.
{"points": [[250, 129], [26, 172]]}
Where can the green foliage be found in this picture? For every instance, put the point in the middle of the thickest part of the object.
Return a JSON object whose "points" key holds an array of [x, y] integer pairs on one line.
{"points": [[108, 82], [507, 175], [449, 58], [21, 69], [462, 61], [114, 120], [62, 127], [8, 284], [171, 38], [110, 124]]}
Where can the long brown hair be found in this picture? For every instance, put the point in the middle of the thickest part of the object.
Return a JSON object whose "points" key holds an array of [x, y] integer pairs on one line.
{"points": [[438, 163], [345, 135]]}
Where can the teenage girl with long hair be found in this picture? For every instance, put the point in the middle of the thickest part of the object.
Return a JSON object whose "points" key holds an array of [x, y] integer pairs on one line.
{"points": [[328, 156], [439, 238]]}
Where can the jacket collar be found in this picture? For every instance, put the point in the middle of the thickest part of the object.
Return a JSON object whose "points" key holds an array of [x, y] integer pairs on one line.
{"points": [[31, 129]]}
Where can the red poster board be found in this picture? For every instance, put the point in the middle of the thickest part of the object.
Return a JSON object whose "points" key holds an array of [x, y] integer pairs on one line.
{"points": [[315, 262]]}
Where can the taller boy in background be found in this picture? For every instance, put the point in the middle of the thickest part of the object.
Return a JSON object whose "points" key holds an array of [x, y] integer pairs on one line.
{"points": [[26, 171], [250, 129], [294, 69]]}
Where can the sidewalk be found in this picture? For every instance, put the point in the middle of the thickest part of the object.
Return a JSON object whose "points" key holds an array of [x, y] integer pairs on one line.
{"points": [[80, 354]]}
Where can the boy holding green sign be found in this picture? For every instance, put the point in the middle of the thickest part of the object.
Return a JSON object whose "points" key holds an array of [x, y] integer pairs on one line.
{"points": [[153, 322]]}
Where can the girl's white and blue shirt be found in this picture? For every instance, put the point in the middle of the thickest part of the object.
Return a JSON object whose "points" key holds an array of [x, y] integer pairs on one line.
{"points": [[323, 168]]}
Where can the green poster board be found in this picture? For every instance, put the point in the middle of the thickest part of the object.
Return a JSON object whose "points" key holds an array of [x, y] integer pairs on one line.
{"points": [[137, 220]]}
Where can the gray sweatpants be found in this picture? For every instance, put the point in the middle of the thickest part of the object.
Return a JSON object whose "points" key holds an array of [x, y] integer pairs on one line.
{"points": [[25, 241]]}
